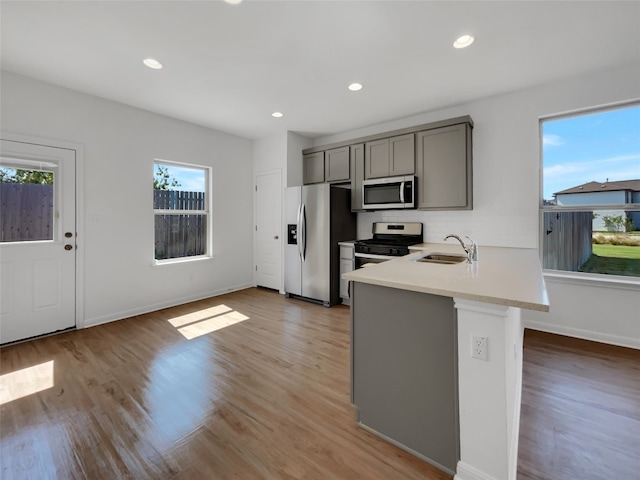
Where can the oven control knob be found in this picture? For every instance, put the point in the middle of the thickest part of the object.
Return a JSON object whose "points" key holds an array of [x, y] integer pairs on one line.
{"points": [[394, 251]]}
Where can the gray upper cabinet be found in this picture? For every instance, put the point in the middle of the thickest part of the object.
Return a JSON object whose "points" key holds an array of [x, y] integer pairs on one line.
{"points": [[336, 165], [402, 155], [357, 176], [390, 156], [444, 168], [313, 168], [376, 159]]}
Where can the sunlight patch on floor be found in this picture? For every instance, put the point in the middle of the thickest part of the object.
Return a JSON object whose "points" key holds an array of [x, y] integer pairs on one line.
{"points": [[205, 321], [199, 315], [25, 382]]}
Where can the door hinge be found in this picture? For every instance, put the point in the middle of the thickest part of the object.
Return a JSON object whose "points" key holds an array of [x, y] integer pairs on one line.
{"points": [[256, 268], [256, 228], [256, 188]]}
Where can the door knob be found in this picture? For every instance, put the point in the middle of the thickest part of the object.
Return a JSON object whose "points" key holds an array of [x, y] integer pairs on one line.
{"points": [[68, 247], [68, 234], [276, 237]]}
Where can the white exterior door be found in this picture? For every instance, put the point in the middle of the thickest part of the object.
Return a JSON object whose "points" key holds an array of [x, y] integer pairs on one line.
{"points": [[38, 247], [268, 230]]}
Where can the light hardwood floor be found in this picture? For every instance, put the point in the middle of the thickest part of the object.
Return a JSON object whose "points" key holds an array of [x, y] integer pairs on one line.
{"points": [[264, 398], [580, 417], [267, 397]]}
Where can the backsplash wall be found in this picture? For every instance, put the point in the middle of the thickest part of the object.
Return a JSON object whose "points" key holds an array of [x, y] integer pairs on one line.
{"points": [[497, 230]]}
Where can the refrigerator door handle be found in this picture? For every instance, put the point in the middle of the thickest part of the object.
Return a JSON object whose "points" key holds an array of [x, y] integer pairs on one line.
{"points": [[299, 231], [303, 219], [402, 192]]}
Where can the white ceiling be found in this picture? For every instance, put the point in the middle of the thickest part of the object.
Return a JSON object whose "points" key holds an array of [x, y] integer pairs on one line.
{"points": [[229, 67]]}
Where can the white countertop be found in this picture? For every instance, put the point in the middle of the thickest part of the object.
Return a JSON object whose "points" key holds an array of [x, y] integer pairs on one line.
{"points": [[503, 276]]}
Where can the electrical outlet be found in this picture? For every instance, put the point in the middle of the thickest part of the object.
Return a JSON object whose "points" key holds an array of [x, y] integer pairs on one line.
{"points": [[479, 347]]}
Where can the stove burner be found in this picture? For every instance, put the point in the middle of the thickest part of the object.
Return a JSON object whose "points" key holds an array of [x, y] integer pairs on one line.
{"points": [[387, 242]]}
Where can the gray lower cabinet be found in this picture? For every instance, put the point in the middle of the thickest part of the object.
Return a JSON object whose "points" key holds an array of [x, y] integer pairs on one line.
{"points": [[336, 165], [313, 168], [389, 157], [346, 265], [357, 175], [444, 168], [404, 370]]}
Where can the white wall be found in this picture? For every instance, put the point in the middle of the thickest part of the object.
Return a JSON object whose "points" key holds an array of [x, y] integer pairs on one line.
{"points": [[506, 156], [120, 145], [270, 153], [281, 152], [295, 144]]}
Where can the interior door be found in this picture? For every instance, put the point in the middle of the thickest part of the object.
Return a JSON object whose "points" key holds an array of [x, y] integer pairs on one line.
{"points": [[37, 240], [269, 230]]}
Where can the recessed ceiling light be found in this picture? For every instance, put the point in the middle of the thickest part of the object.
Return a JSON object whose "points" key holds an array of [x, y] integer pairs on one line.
{"points": [[233, 2], [463, 41], [153, 63], [354, 87], [277, 114]]}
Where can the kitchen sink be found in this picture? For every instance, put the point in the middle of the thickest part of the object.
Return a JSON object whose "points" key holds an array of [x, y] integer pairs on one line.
{"points": [[442, 258]]}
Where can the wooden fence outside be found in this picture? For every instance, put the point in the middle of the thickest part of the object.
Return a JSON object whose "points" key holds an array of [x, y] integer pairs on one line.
{"points": [[567, 240], [179, 235], [26, 212]]}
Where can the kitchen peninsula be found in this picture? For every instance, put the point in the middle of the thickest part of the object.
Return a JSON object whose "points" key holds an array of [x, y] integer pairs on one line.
{"points": [[414, 378]]}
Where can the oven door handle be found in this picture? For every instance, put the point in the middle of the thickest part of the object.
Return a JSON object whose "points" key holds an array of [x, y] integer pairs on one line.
{"points": [[372, 255]]}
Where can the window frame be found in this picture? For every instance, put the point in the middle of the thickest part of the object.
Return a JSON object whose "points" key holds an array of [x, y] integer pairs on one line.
{"points": [[576, 276], [207, 212]]}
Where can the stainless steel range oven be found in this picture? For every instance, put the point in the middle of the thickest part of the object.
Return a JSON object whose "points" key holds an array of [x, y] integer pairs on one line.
{"points": [[390, 240]]}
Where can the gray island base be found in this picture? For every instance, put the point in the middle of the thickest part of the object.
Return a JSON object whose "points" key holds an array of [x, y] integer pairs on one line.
{"points": [[404, 371], [416, 380]]}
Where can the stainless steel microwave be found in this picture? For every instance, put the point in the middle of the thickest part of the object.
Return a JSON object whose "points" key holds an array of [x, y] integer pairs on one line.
{"points": [[389, 193]]}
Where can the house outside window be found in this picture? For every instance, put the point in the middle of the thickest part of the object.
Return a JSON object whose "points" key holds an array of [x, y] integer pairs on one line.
{"points": [[591, 192], [182, 211]]}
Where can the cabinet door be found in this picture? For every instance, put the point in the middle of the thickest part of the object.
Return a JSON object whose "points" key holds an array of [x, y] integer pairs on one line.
{"points": [[443, 164], [313, 168], [345, 266], [336, 164], [376, 159], [402, 155], [357, 176]]}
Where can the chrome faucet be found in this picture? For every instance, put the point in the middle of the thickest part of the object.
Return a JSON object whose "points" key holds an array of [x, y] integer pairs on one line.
{"points": [[470, 249]]}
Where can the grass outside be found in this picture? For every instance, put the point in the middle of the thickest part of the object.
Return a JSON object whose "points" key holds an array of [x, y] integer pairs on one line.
{"points": [[613, 260]]}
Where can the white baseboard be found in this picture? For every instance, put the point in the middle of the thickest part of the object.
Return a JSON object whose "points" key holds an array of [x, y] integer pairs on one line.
{"points": [[464, 471], [583, 334], [405, 448], [159, 306]]}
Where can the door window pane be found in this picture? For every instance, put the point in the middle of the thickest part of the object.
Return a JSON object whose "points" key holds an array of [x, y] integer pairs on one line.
{"points": [[26, 203]]}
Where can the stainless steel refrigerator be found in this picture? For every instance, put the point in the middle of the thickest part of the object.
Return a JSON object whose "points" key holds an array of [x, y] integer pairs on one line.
{"points": [[317, 217]]}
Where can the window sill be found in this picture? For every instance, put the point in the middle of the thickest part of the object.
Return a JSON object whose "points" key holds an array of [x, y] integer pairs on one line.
{"points": [[182, 260], [593, 280]]}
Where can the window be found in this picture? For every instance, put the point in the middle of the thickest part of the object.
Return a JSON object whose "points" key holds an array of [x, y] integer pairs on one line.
{"points": [[591, 192], [27, 200], [181, 206]]}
